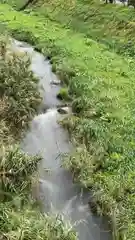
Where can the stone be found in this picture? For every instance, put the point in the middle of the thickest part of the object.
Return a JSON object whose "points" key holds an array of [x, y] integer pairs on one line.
{"points": [[55, 82], [62, 111]]}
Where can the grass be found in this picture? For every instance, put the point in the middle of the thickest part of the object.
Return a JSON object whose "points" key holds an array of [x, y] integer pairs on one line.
{"points": [[112, 25], [101, 83], [16, 4], [19, 100], [19, 104], [63, 94], [28, 223], [16, 169]]}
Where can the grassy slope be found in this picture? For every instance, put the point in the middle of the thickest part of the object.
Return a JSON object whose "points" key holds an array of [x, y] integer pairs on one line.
{"points": [[14, 3], [102, 84], [109, 24], [19, 100]]}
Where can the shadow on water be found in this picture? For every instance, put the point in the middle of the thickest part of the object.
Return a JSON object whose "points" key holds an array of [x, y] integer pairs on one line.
{"points": [[57, 191]]}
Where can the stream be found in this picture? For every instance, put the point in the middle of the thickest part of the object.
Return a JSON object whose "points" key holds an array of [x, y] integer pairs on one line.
{"points": [[57, 191]]}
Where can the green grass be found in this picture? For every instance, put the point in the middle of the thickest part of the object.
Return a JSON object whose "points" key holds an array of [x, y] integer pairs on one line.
{"points": [[16, 169], [28, 223], [102, 86], [14, 3], [110, 24], [63, 94], [19, 98], [19, 101]]}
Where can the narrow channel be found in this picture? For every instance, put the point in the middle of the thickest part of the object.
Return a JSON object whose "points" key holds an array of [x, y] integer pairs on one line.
{"points": [[58, 193]]}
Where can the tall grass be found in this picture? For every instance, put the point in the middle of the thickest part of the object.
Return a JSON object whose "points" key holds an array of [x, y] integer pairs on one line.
{"points": [[28, 223], [16, 169], [19, 101]]}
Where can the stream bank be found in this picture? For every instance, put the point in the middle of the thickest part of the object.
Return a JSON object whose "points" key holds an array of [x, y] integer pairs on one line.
{"points": [[103, 85], [58, 193]]}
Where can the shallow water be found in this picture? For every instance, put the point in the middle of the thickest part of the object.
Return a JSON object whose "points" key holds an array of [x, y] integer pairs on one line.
{"points": [[57, 191]]}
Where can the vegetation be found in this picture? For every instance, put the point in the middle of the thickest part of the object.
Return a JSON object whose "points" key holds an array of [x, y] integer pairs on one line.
{"points": [[19, 100], [110, 24], [19, 216], [28, 223], [63, 94], [15, 3], [101, 82]]}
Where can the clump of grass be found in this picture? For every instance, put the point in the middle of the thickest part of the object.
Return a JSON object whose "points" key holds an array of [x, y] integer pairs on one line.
{"points": [[28, 223], [16, 169], [24, 35], [64, 94], [18, 88], [75, 162], [65, 73]]}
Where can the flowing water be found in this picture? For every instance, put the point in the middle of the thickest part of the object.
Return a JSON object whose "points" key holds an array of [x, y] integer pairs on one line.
{"points": [[57, 191]]}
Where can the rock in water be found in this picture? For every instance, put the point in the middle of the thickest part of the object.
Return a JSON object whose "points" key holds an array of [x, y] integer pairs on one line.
{"points": [[62, 111], [55, 82]]}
